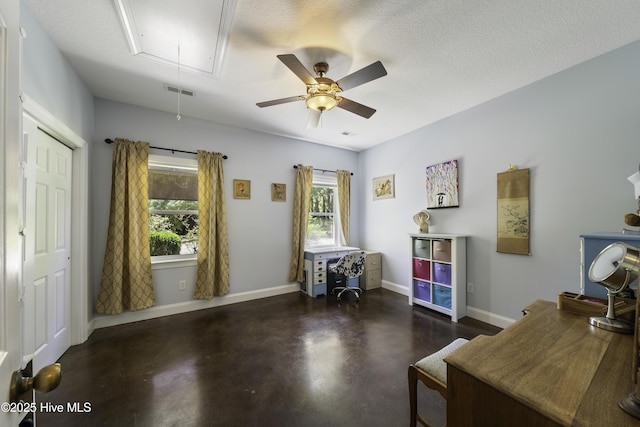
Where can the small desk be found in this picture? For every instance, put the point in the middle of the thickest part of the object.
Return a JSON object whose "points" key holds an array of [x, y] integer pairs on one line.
{"points": [[315, 267], [549, 368]]}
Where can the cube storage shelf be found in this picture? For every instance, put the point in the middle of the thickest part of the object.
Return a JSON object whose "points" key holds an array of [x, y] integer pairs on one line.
{"points": [[439, 276]]}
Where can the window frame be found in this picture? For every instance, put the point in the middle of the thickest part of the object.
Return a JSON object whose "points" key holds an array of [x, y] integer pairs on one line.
{"points": [[159, 162], [322, 180]]}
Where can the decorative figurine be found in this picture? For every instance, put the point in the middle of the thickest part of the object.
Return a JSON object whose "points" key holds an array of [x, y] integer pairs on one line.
{"points": [[422, 220]]}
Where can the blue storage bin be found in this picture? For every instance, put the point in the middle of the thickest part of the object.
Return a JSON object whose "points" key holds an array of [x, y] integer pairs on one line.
{"points": [[442, 273], [442, 296], [422, 290]]}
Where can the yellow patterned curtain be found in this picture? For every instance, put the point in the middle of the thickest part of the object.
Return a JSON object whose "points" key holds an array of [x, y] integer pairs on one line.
{"points": [[344, 201], [301, 201], [126, 276], [212, 277]]}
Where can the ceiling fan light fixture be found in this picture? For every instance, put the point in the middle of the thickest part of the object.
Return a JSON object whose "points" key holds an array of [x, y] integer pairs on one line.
{"points": [[322, 101], [322, 95], [322, 92]]}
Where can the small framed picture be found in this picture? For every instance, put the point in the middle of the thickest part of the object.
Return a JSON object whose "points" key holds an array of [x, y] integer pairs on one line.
{"points": [[384, 187], [241, 189], [278, 192]]}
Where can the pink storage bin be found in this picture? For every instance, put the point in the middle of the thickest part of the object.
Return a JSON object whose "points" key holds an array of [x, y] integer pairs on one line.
{"points": [[421, 269]]}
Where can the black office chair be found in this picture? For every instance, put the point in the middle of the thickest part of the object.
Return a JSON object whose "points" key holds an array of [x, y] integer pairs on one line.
{"points": [[349, 266]]}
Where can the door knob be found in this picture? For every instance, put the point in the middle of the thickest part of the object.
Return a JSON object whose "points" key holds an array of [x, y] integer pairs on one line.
{"points": [[47, 379]]}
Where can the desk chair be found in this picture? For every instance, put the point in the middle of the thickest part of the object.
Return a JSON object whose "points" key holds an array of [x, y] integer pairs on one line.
{"points": [[432, 371], [350, 266]]}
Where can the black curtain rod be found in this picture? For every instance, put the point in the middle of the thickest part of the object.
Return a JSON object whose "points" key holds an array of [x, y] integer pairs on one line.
{"points": [[173, 150], [320, 170]]}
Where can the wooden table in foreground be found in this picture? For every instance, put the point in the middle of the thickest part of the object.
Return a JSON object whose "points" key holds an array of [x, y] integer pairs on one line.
{"points": [[549, 368]]}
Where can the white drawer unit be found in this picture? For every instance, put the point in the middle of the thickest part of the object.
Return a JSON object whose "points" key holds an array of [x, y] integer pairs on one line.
{"points": [[315, 268], [438, 273], [319, 269]]}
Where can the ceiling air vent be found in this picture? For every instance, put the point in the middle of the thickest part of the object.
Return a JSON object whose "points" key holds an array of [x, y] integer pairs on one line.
{"points": [[182, 90]]}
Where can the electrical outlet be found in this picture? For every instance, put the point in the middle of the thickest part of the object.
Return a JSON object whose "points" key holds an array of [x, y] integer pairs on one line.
{"points": [[182, 285], [471, 288]]}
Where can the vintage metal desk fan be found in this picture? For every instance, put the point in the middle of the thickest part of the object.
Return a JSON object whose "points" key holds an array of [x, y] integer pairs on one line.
{"points": [[615, 267]]}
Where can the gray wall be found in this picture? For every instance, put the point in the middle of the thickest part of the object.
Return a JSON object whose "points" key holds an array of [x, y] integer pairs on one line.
{"points": [[49, 80], [260, 231], [576, 131]]}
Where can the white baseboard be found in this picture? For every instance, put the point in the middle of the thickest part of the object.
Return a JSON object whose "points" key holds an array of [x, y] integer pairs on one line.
{"points": [[474, 313], [402, 290], [490, 318], [104, 321], [91, 326]]}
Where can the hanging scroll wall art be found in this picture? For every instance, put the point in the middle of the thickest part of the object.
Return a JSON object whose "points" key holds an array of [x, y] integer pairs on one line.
{"points": [[442, 185], [513, 211]]}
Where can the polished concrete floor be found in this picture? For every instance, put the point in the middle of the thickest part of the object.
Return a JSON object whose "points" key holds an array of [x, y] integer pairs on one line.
{"points": [[287, 360]]}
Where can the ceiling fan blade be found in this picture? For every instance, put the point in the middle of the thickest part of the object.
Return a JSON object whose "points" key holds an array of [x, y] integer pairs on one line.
{"points": [[314, 119], [280, 101], [356, 108], [294, 64], [364, 75]]}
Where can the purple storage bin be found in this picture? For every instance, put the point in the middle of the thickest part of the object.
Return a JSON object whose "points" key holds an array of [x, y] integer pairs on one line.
{"points": [[421, 290], [442, 273], [421, 269]]}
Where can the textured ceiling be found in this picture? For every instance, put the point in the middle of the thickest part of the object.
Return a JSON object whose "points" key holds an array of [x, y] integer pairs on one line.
{"points": [[442, 57]]}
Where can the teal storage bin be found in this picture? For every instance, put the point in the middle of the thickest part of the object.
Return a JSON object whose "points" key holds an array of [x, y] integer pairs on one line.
{"points": [[442, 296]]}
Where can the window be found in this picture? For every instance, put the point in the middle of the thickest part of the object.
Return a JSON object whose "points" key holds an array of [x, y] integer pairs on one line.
{"points": [[323, 228], [173, 206]]}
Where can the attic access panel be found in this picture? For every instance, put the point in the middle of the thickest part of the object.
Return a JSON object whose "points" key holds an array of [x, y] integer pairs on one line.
{"points": [[198, 28]]}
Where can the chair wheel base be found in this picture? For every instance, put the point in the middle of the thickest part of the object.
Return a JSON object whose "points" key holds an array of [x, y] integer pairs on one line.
{"points": [[346, 290]]}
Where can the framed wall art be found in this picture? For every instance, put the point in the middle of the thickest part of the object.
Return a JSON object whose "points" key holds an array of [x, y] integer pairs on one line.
{"points": [[278, 192], [384, 187], [241, 189], [442, 185]]}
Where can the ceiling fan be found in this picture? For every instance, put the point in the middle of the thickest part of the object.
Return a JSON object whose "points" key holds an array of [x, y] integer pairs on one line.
{"points": [[323, 93]]}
